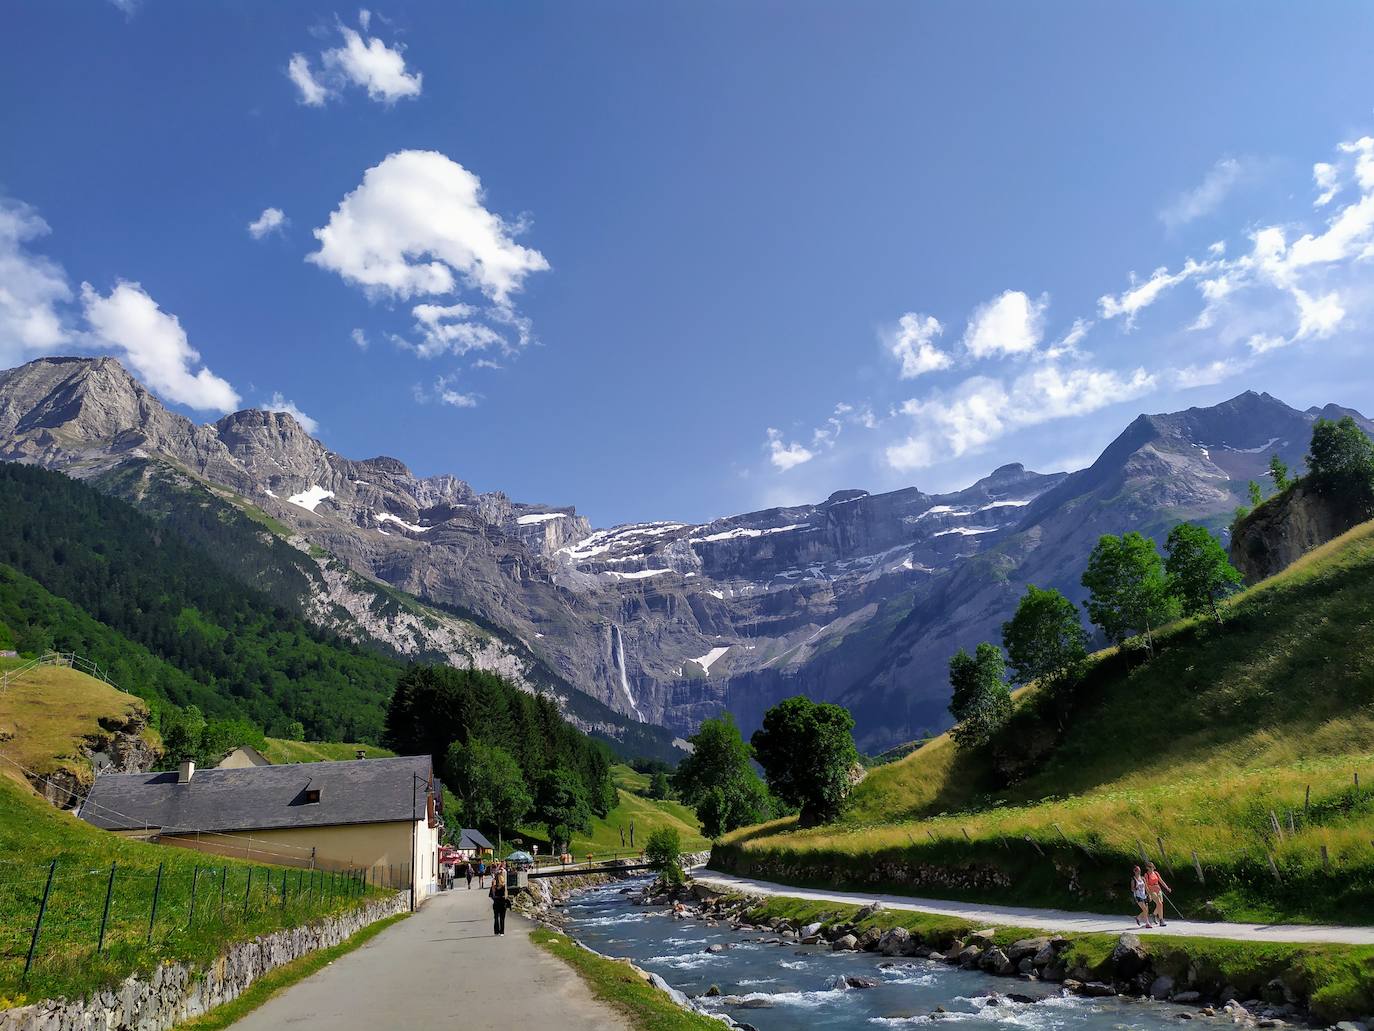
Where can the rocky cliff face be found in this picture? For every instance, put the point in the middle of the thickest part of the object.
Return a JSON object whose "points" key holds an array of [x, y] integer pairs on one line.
{"points": [[860, 598], [1285, 528]]}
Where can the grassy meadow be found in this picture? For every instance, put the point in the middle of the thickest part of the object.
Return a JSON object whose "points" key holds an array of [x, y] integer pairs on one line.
{"points": [[1241, 743]]}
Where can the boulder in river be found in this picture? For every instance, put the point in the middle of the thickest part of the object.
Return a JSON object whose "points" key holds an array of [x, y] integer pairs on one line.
{"points": [[1129, 956], [845, 943]]}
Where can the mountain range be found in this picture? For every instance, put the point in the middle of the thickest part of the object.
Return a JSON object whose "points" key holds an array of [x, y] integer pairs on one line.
{"points": [[860, 598]]}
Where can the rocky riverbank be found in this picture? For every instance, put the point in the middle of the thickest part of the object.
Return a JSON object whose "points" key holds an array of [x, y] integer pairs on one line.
{"points": [[1184, 972]]}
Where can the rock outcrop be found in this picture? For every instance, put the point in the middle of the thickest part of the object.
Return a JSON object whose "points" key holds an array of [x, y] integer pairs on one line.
{"points": [[1286, 527]]}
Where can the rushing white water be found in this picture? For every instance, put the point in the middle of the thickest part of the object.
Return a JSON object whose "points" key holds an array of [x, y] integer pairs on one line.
{"points": [[624, 677], [782, 986]]}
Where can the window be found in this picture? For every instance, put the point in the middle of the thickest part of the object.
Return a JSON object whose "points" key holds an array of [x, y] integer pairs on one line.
{"points": [[312, 795]]}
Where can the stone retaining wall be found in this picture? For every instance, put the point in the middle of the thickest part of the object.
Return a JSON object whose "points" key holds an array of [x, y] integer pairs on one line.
{"points": [[179, 991]]}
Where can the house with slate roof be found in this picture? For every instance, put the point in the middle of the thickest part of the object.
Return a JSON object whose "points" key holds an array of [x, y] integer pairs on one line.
{"points": [[379, 815]]}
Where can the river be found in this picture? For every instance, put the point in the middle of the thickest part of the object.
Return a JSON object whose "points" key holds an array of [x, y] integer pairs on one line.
{"points": [[777, 987]]}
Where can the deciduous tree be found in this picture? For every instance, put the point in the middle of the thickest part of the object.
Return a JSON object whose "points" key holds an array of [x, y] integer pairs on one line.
{"points": [[1198, 571], [807, 753], [979, 700], [1128, 594], [1045, 640]]}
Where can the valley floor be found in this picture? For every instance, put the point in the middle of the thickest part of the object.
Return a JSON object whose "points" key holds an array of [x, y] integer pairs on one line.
{"points": [[1058, 920]]}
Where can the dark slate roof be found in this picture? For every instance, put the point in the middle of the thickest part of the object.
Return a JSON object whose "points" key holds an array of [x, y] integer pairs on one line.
{"points": [[473, 839], [261, 797]]}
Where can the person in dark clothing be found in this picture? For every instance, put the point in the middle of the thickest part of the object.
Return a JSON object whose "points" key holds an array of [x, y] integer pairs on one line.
{"points": [[469, 875], [500, 902]]}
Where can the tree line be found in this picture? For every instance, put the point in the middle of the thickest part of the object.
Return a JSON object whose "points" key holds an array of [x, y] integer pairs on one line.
{"points": [[1132, 593], [805, 750], [506, 756]]}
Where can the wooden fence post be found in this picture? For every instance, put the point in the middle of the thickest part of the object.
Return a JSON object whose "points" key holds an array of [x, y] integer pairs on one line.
{"points": [[1274, 822], [1164, 856], [966, 837], [1198, 867], [247, 892], [1307, 801], [1326, 861], [1273, 867]]}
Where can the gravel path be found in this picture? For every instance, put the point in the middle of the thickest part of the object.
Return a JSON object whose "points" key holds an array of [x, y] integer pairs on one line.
{"points": [[441, 968], [1053, 919]]}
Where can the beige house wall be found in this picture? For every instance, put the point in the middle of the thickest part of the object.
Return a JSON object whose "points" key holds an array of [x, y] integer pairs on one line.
{"points": [[384, 849]]}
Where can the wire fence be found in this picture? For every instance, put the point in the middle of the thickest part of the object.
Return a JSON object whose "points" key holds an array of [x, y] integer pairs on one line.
{"points": [[63, 912], [69, 660]]}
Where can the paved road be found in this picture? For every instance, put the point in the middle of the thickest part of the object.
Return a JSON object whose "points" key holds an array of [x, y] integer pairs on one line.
{"points": [[1053, 919], [441, 967]]}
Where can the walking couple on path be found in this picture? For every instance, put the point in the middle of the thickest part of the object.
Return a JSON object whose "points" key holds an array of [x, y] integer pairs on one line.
{"points": [[1148, 890]]}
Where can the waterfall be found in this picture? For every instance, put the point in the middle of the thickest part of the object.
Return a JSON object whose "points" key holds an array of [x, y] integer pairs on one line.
{"points": [[624, 678]]}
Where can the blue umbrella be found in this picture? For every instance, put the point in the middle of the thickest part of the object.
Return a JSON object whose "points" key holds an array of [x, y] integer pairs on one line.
{"points": [[520, 857]]}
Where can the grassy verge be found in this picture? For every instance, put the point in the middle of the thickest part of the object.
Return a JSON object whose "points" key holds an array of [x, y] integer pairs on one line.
{"points": [[615, 983], [1336, 980], [278, 980]]}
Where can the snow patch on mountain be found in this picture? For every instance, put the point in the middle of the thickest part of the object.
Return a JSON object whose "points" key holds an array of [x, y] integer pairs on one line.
{"points": [[310, 499], [387, 517], [706, 661]]}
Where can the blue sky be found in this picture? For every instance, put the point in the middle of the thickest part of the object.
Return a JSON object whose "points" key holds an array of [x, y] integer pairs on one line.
{"points": [[682, 260]]}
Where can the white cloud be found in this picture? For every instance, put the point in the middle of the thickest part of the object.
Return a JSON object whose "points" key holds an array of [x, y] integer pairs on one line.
{"points": [[313, 92], [281, 404], [155, 344], [1010, 323], [1318, 316], [983, 409], [1067, 345], [450, 328], [359, 338], [1327, 180], [912, 344], [1260, 343], [486, 363], [1210, 373], [371, 64], [1204, 198], [416, 225], [271, 220], [1141, 295], [129, 7], [786, 456], [32, 288], [1217, 249], [458, 400], [362, 61]]}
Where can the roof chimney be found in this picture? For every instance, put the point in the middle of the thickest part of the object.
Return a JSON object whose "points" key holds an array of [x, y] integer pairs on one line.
{"points": [[186, 769]]}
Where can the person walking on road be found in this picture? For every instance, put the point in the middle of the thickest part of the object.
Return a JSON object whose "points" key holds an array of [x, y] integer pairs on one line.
{"points": [[481, 873], [468, 870], [1138, 893], [500, 902], [1155, 887]]}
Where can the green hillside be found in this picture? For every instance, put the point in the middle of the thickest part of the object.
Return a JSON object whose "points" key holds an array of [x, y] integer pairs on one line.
{"points": [[278, 750], [126, 572], [1228, 731], [632, 806]]}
